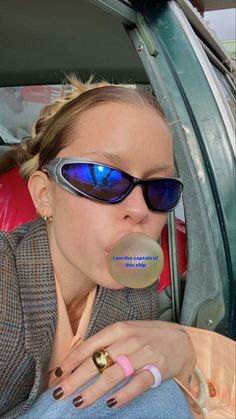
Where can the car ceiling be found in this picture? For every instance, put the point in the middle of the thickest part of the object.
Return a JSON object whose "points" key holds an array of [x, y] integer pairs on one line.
{"points": [[42, 41]]}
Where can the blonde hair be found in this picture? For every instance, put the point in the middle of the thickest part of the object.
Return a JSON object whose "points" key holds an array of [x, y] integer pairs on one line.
{"points": [[54, 129]]}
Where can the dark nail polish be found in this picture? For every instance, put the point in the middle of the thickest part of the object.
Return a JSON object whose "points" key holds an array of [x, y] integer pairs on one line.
{"points": [[58, 393], [111, 402], [58, 372], [78, 401]]}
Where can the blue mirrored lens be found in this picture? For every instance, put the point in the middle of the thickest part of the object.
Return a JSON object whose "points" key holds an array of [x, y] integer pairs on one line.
{"points": [[164, 194], [98, 181]]}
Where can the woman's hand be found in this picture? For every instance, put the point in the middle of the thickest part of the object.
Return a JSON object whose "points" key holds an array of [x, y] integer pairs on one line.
{"points": [[162, 344]]}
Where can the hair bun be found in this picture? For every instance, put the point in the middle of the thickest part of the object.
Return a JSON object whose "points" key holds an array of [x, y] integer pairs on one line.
{"points": [[22, 157]]}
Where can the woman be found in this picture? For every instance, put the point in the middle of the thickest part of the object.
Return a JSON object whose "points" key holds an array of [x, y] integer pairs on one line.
{"points": [[60, 303]]}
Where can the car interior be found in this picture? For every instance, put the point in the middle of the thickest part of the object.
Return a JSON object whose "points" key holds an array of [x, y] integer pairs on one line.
{"points": [[132, 43]]}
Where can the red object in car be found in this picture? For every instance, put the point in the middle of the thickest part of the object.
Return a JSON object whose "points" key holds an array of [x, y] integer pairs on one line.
{"points": [[165, 277], [16, 206], [36, 94]]}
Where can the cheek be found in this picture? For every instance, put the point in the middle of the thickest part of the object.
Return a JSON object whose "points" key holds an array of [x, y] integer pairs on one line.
{"points": [[158, 222], [79, 224]]}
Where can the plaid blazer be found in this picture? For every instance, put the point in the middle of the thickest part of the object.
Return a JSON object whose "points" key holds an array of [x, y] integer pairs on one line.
{"points": [[28, 314]]}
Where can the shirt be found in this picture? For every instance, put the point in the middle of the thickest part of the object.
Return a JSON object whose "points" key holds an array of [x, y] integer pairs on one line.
{"points": [[72, 323]]}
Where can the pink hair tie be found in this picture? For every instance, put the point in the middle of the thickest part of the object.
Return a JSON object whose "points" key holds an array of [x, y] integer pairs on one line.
{"points": [[156, 374], [125, 365]]}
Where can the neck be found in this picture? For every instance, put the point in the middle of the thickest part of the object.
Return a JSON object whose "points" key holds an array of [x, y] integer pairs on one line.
{"points": [[73, 283], [70, 288]]}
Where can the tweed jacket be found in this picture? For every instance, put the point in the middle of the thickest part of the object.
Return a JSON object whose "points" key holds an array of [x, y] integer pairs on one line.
{"points": [[28, 314]]}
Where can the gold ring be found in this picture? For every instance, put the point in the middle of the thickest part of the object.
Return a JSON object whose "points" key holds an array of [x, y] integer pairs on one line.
{"points": [[102, 359]]}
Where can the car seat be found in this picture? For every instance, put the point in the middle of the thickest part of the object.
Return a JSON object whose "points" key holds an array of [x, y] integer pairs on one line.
{"points": [[16, 206]]}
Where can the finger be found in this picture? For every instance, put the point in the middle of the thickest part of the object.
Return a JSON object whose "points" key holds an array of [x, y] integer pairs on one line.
{"points": [[88, 369], [105, 382], [57, 380], [109, 379], [151, 324], [81, 375], [102, 339], [137, 386]]}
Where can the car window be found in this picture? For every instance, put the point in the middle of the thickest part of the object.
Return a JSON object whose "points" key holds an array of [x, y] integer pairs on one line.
{"points": [[228, 88], [20, 107]]}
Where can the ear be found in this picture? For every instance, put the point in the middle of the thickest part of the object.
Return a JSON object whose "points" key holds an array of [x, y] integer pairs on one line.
{"points": [[40, 189]]}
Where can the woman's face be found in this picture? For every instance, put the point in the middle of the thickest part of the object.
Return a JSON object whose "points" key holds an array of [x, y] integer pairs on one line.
{"points": [[133, 138]]}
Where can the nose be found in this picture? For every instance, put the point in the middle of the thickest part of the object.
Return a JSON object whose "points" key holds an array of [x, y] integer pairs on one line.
{"points": [[134, 206]]}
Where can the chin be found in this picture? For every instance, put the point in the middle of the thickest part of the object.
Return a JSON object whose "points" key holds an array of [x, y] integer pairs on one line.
{"points": [[103, 278], [112, 284], [109, 282], [116, 286]]}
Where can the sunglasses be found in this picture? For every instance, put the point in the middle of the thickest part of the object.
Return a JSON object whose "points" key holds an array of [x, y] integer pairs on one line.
{"points": [[105, 183]]}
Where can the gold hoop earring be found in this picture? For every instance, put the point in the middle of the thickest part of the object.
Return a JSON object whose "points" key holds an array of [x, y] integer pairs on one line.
{"points": [[47, 219]]}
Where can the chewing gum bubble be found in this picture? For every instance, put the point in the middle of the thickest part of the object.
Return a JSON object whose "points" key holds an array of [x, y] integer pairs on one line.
{"points": [[136, 260]]}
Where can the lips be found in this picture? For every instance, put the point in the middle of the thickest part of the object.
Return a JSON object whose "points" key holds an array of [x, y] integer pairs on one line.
{"points": [[109, 247]]}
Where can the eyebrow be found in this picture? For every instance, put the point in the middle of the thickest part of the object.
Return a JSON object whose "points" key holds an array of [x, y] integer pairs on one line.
{"points": [[121, 162]]}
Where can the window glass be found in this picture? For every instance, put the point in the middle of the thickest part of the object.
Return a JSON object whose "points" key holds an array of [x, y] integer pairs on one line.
{"points": [[20, 107], [228, 89]]}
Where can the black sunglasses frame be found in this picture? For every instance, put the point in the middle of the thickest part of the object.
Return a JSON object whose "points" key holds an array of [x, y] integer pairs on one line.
{"points": [[54, 170]]}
